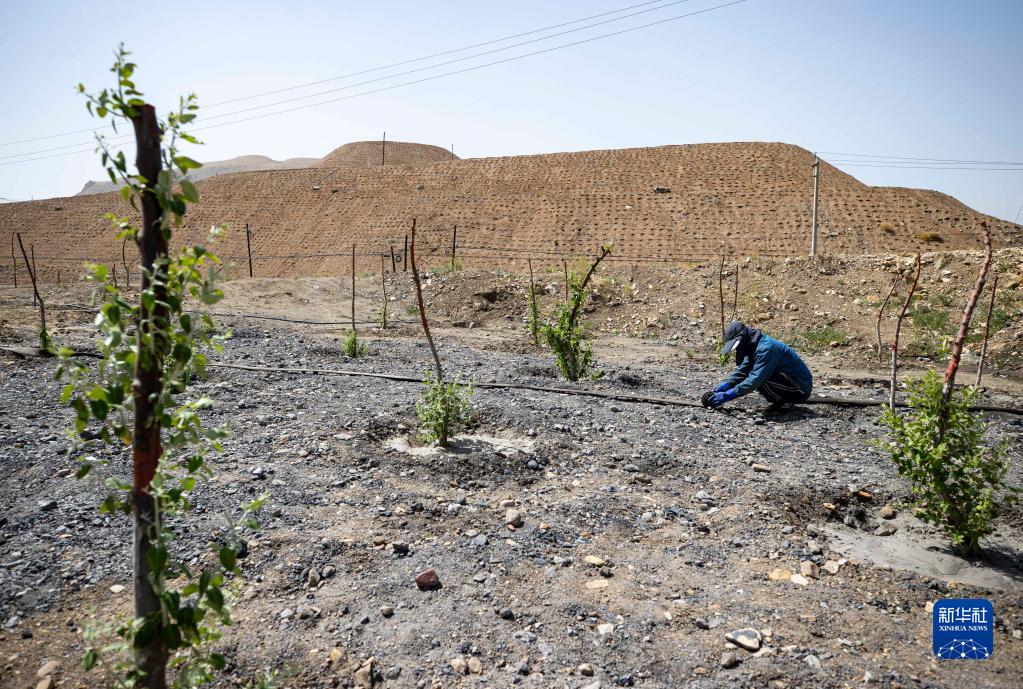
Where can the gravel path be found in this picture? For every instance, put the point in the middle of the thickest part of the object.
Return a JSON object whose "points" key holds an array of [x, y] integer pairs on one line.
{"points": [[647, 533]]}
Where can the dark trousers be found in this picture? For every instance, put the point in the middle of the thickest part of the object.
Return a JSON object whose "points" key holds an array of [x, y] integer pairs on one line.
{"points": [[779, 389]]}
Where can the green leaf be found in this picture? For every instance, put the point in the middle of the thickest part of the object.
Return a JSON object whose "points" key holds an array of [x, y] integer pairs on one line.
{"points": [[186, 163], [90, 659], [83, 470], [189, 191], [228, 557]]}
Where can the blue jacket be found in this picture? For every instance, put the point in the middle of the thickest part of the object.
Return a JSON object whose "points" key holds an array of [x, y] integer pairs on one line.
{"points": [[770, 357]]}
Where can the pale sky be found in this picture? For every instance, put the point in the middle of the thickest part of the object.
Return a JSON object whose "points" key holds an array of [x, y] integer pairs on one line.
{"points": [[936, 79]]}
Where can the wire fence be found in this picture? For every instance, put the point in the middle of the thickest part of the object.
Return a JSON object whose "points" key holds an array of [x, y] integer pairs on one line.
{"points": [[435, 257]]}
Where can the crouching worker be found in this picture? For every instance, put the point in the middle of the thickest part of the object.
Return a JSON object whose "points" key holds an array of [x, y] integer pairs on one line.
{"points": [[764, 364]]}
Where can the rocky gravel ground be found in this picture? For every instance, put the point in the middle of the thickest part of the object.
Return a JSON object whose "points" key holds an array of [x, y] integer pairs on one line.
{"points": [[576, 542]]}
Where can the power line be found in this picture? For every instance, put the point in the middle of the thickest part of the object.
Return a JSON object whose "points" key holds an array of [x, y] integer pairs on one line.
{"points": [[368, 71], [433, 77], [368, 81], [843, 163], [922, 160]]}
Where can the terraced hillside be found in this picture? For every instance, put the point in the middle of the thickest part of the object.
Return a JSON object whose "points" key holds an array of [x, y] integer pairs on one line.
{"points": [[665, 203]]}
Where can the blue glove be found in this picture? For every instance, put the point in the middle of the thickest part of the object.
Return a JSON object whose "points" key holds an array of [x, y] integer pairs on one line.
{"points": [[719, 398], [721, 387]]}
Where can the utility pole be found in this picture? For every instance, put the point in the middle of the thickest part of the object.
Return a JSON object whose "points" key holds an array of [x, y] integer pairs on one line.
{"points": [[248, 246], [383, 150], [816, 188]]}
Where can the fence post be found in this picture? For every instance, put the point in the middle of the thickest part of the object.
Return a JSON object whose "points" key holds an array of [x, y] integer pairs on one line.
{"points": [[816, 186], [14, 262], [383, 286], [454, 241], [248, 246], [353, 288], [113, 267], [32, 271], [898, 329], [405, 255], [394, 266], [564, 265], [44, 338], [124, 262]]}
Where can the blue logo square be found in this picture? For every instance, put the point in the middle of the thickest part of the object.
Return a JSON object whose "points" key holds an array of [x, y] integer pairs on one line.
{"points": [[964, 629]]}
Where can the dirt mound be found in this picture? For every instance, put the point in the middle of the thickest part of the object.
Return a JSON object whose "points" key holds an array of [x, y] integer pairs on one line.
{"points": [[374, 153], [246, 163], [664, 204]]}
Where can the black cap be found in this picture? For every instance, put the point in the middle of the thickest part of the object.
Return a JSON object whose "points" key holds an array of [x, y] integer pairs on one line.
{"points": [[733, 334]]}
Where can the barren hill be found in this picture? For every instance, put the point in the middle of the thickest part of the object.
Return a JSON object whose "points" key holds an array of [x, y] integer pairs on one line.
{"points": [[246, 163], [373, 153], [663, 203]]}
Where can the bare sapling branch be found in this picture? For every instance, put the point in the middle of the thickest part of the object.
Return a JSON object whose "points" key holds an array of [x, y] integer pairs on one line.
{"points": [[44, 336], [721, 295], [964, 325], [987, 332], [422, 308], [898, 329], [880, 312]]}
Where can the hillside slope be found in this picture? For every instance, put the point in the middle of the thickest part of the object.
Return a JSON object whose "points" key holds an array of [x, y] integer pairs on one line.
{"points": [[746, 198]]}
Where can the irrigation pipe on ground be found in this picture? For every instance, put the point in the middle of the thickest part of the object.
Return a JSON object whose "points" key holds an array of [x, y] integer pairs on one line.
{"points": [[622, 397]]}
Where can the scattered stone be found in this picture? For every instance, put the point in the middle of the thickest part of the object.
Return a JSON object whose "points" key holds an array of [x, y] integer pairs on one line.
{"points": [[393, 672], [831, 567], [586, 670], [729, 659], [799, 579], [522, 668], [399, 548], [47, 669], [250, 593], [428, 580], [459, 665], [363, 677], [809, 569], [313, 580], [387, 610], [929, 607], [885, 530], [328, 572], [513, 518], [45, 683], [308, 612], [779, 575], [605, 628], [287, 614], [748, 639], [594, 560], [475, 665], [597, 584], [117, 588], [813, 661], [762, 468], [47, 505], [506, 614], [888, 512]]}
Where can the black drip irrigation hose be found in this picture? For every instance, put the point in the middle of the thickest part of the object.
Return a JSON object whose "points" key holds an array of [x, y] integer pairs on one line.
{"points": [[618, 396]]}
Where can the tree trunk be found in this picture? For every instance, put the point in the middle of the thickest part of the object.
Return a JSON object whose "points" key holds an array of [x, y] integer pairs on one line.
{"points": [[964, 327], [151, 659]]}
